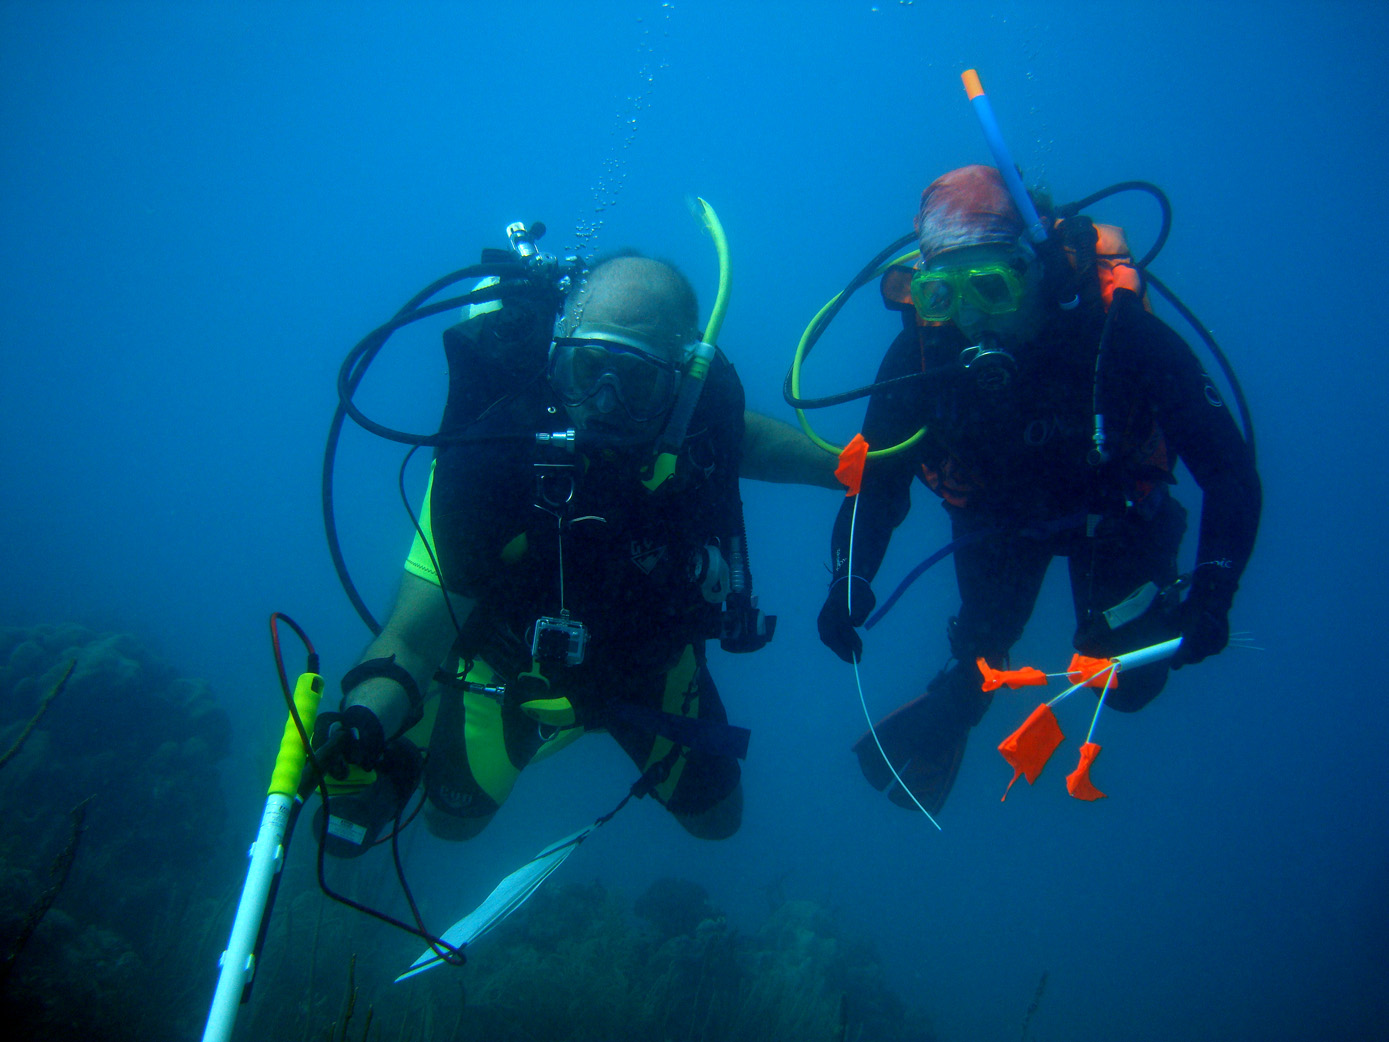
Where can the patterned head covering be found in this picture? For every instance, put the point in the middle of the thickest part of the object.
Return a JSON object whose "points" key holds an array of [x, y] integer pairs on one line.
{"points": [[966, 207]]}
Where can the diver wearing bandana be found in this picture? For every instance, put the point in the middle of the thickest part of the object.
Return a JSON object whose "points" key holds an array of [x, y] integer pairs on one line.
{"points": [[1008, 447]]}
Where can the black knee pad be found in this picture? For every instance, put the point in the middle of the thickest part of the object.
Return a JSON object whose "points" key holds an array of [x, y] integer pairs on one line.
{"points": [[704, 782]]}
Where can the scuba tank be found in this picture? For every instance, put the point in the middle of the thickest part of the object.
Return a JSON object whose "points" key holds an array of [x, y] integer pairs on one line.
{"points": [[500, 345], [521, 291]]}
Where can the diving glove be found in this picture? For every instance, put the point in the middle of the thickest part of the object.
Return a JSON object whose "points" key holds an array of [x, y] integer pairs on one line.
{"points": [[1205, 631], [351, 738], [1204, 617], [745, 626], [365, 803], [838, 623]]}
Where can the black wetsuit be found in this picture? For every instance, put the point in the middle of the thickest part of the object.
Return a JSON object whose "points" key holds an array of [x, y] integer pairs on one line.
{"points": [[503, 512], [1012, 466]]}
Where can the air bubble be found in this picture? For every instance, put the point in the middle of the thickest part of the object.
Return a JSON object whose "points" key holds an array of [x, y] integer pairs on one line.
{"points": [[613, 176]]}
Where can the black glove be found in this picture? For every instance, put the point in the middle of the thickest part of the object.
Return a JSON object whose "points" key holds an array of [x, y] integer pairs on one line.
{"points": [[1205, 628], [352, 737], [837, 624]]}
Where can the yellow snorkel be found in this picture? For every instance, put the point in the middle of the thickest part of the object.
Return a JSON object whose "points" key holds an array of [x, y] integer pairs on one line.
{"points": [[715, 230], [808, 338], [697, 369]]}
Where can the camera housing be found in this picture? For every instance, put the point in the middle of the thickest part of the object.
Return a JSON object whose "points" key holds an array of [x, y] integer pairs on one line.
{"points": [[559, 641]]}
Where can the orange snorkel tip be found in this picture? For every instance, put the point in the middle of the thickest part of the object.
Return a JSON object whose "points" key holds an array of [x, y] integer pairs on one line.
{"points": [[973, 87]]}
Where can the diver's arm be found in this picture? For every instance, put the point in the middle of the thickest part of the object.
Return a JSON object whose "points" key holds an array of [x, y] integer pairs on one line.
{"points": [[884, 498], [776, 451], [881, 505], [1201, 430], [419, 634]]}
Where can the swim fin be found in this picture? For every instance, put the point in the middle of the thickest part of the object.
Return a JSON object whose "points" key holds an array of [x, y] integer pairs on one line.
{"points": [[926, 744]]}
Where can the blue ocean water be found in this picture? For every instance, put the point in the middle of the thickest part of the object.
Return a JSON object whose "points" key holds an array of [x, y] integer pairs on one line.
{"points": [[205, 205]]}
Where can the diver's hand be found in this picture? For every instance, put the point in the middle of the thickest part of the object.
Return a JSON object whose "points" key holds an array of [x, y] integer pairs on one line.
{"points": [[838, 624], [353, 737], [1205, 630], [745, 627]]}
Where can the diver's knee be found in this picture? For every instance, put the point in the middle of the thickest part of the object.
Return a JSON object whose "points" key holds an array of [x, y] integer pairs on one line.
{"points": [[718, 822], [984, 637], [1138, 688], [452, 827]]}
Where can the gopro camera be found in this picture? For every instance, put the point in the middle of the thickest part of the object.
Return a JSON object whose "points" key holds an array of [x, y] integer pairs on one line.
{"points": [[559, 641]]}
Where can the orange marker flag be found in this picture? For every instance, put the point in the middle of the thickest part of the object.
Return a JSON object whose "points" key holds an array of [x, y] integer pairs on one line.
{"points": [[1029, 747], [1078, 782], [1014, 678], [851, 460], [1091, 671]]}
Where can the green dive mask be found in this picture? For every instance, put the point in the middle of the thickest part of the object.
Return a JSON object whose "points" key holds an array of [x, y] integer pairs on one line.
{"points": [[994, 289]]}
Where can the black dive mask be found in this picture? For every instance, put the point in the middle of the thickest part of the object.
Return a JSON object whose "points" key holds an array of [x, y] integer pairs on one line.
{"points": [[605, 376]]}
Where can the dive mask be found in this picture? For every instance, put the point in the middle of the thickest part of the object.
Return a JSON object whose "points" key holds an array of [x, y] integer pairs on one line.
{"points": [[612, 370], [993, 289]]}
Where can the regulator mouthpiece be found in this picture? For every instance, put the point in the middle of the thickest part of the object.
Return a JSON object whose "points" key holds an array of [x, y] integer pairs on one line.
{"points": [[991, 366]]}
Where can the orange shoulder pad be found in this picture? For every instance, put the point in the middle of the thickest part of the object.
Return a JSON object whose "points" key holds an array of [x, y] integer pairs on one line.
{"points": [[1114, 264]]}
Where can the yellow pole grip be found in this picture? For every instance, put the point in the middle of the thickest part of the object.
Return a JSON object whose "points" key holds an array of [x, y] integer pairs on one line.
{"points": [[289, 763]]}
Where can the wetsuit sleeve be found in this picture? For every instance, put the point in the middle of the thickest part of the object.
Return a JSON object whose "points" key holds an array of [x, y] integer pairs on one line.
{"points": [[1200, 430], [894, 415], [726, 419], [422, 556]]}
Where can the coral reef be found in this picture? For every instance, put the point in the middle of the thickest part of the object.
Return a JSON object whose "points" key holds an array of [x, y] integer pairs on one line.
{"points": [[674, 906], [118, 878], [577, 965], [136, 747]]}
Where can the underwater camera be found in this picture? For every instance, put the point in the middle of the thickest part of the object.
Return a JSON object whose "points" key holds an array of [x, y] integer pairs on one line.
{"points": [[559, 641]]}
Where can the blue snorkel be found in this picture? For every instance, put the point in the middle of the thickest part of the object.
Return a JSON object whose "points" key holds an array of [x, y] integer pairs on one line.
{"points": [[1036, 229], [1003, 159]]}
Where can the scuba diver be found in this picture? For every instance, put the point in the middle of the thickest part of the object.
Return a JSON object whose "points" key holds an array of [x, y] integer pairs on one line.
{"points": [[566, 583], [1053, 408]]}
